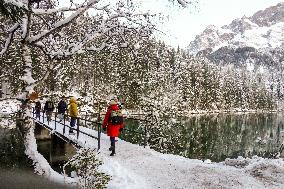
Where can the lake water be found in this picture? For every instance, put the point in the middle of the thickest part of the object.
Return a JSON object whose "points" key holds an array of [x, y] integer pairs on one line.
{"points": [[214, 137], [16, 170]]}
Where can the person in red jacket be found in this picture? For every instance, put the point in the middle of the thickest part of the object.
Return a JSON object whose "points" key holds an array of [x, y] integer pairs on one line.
{"points": [[113, 122]]}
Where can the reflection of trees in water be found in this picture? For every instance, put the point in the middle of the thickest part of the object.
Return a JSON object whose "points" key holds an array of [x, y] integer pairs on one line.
{"points": [[55, 151], [217, 137]]}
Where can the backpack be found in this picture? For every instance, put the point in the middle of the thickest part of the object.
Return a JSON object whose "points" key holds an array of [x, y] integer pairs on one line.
{"points": [[38, 105], [50, 105], [116, 117]]}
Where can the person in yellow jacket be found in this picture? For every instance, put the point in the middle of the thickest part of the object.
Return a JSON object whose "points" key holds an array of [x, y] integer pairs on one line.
{"points": [[73, 112]]}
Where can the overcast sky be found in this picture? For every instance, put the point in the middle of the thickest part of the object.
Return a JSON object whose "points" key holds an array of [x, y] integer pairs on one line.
{"points": [[183, 25]]}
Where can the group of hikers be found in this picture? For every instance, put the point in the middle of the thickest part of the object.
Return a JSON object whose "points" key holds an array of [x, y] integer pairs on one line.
{"points": [[113, 122], [62, 107]]}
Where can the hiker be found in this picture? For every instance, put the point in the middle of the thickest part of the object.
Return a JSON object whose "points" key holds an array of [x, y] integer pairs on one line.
{"points": [[113, 122], [37, 109], [73, 112], [61, 108], [48, 108]]}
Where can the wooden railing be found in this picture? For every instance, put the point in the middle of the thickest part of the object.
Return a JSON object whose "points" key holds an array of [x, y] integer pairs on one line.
{"points": [[95, 124], [81, 122]]}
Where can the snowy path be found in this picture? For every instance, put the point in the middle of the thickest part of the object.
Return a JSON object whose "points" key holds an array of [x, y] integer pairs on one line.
{"points": [[135, 167]]}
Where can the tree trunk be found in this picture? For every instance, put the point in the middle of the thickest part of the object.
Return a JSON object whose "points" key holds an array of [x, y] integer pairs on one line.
{"points": [[28, 84], [26, 123]]}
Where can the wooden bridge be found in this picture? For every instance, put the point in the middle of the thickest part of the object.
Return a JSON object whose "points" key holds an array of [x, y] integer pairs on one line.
{"points": [[87, 130]]}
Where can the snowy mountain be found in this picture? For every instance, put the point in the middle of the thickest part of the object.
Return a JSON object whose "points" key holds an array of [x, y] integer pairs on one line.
{"points": [[263, 30]]}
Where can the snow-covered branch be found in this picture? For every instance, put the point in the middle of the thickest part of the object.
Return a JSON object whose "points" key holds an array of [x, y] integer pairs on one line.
{"points": [[9, 40], [183, 3], [62, 23], [64, 9], [47, 73], [16, 3], [52, 11]]}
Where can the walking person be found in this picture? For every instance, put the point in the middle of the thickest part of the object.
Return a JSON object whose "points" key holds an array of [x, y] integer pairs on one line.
{"points": [[48, 108], [61, 108], [113, 122], [37, 109], [73, 112]]}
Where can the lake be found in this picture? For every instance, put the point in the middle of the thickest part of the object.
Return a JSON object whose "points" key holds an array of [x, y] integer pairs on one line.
{"points": [[215, 137]]}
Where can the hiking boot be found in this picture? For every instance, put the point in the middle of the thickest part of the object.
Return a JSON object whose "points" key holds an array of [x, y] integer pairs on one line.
{"points": [[110, 148], [112, 153]]}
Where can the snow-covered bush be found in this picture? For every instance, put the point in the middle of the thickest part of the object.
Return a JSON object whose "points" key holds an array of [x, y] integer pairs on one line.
{"points": [[86, 166]]}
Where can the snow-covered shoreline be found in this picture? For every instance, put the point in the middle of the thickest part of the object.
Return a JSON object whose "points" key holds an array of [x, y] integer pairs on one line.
{"points": [[138, 167], [143, 168]]}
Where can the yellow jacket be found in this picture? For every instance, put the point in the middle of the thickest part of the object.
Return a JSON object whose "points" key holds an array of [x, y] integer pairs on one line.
{"points": [[73, 109]]}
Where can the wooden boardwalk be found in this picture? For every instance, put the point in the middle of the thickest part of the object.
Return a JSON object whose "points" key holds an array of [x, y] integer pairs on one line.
{"points": [[85, 131]]}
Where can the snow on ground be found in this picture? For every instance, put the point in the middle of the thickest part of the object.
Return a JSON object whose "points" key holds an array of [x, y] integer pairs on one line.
{"points": [[135, 167], [138, 167], [264, 37]]}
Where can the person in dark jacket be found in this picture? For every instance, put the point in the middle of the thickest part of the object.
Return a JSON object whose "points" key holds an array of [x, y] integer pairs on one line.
{"points": [[113, 122], [61, 108], [37, 109], [48, 108]]}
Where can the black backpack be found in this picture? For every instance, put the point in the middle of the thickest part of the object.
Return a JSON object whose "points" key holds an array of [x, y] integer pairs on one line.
{"points": [[50, 105], [116, 117]]}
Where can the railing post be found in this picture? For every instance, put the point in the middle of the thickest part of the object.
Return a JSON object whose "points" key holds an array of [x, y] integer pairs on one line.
{"points": [[43, 117], [55, 114], [145, 135], [99, 127], [64, 123], [33, 112], [86, 119], [99, 136], [78, 128]]}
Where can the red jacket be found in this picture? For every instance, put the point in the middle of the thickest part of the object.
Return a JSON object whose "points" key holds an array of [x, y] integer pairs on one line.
{"points": [[112, 130]]}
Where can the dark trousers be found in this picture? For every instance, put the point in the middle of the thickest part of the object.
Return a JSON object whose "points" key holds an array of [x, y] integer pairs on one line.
{"points": [[72, 123], [112, 143], [38, 114], [48, 115]]}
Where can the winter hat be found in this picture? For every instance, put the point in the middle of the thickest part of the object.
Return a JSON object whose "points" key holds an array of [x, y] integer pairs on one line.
{"points": [[112, 97], [72, 99]]}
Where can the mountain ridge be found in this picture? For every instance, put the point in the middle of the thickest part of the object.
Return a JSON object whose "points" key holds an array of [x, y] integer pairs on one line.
{"points": [[264, 29]]}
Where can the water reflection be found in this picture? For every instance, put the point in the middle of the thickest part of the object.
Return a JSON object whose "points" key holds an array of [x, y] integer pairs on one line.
{"points": [[55, 150], [16, 169], [216, 137]]}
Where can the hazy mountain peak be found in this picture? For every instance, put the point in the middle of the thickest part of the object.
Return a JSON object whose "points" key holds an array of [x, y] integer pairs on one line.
{"points": [[264, 29], [269, 16]]}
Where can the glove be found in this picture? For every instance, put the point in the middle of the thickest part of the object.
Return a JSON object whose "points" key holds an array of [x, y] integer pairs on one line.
{"points": [[120, 129], [104, 128]]}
